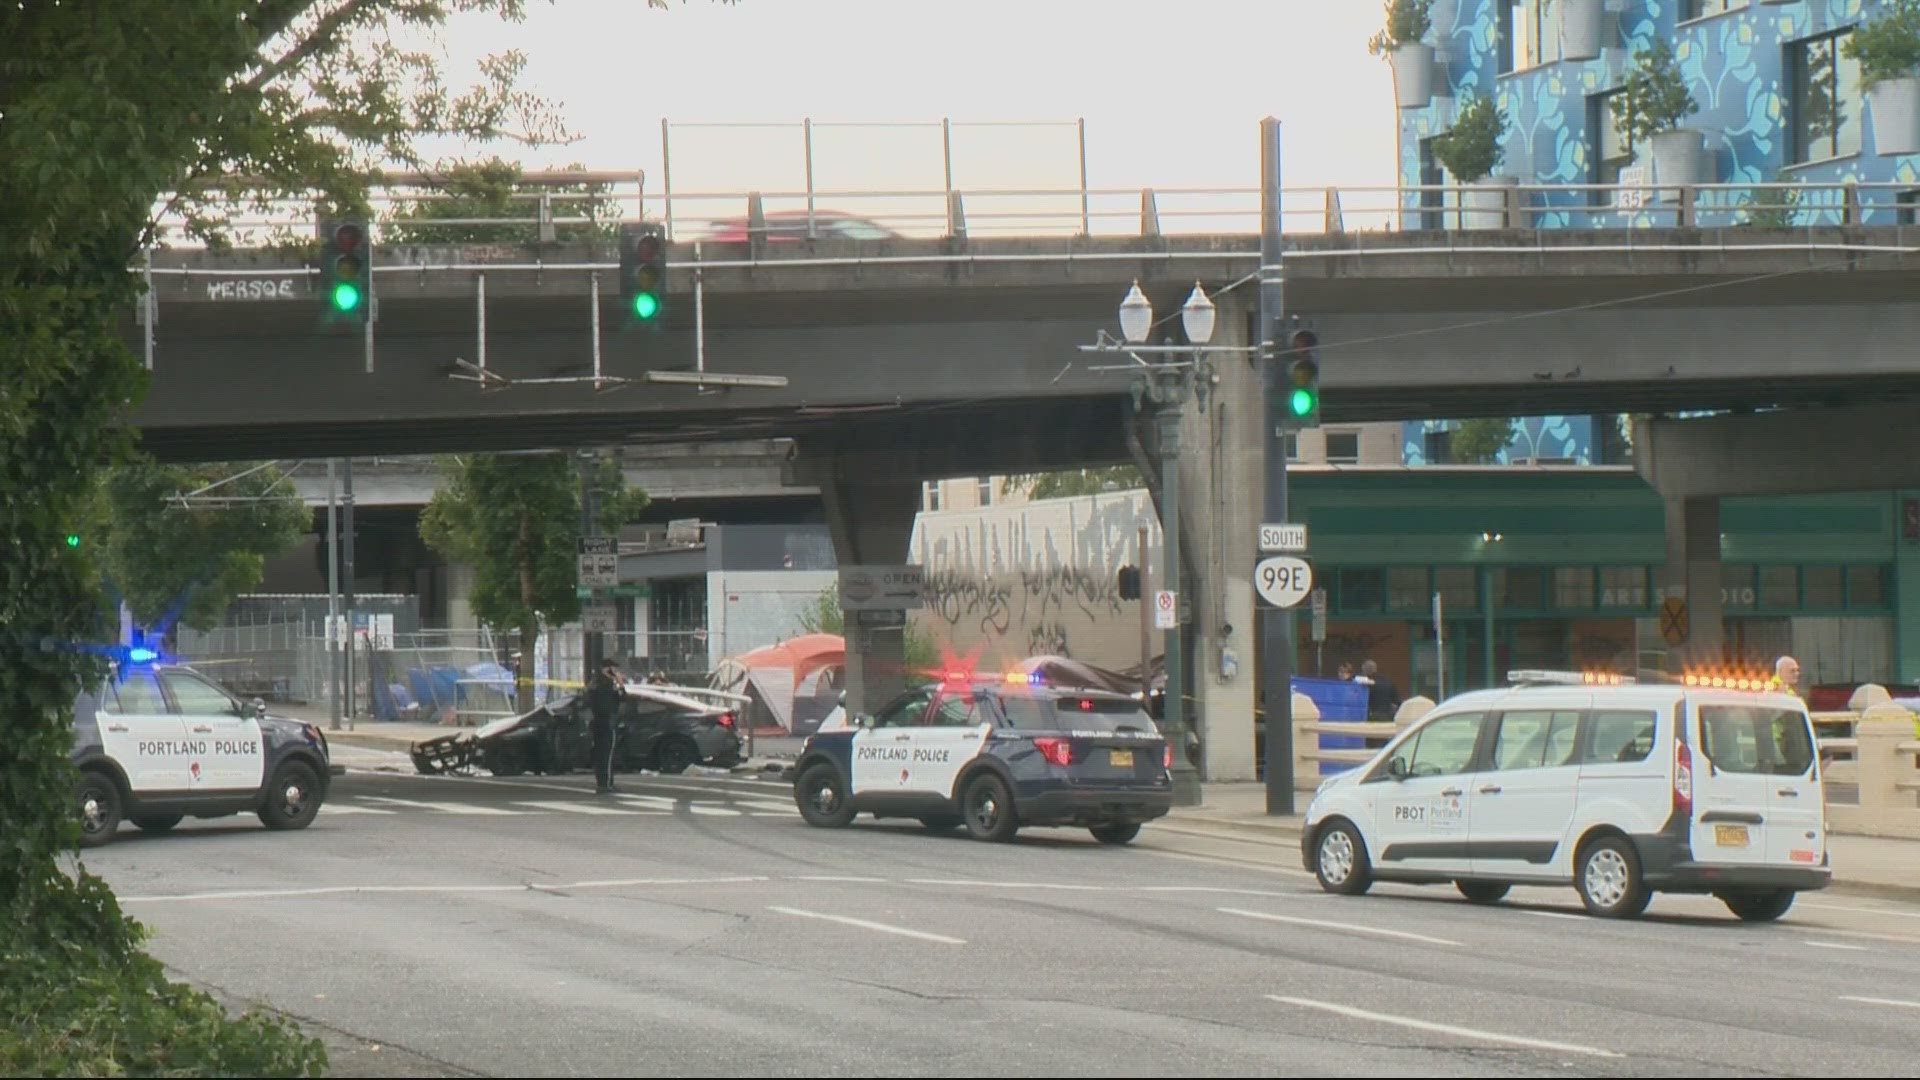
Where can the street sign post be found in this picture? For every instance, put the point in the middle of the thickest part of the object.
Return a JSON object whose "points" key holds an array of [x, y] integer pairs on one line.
{"points": [[600, 617], [1283, 581], [1166, 609], [1283, 539], [599, 562], [882, 588]]}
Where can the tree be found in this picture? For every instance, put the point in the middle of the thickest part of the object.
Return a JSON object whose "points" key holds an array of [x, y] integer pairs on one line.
{"points": [[1066, 484], [488, 189], [825, 617], [180, 557], [1479, 442], [515, 518], [113, 118]]}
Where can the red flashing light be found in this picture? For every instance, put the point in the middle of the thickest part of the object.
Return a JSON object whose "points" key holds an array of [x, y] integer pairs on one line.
{"points": [[1166, 758], [1058, 751], [1086, 705], [726, 719], [1682, 778]]}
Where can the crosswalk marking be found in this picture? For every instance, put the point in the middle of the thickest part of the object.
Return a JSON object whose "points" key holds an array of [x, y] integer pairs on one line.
{"points": [[443, 807], [713, 811], [337, 808], [589, 808], [762, 804]]}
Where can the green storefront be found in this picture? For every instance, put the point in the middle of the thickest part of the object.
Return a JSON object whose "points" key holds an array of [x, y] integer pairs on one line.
{"points": [[1561, 568]]}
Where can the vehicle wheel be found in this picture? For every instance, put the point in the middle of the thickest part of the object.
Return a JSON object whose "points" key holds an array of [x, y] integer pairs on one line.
{"points": [[99, 802], [675, 756], [989, 810], [293, 798], [1483, 892], [505, 759], [156, 822], [1761, 906], [942, 824], [823, 797], [1341, 862], [1609, 879], [1116, 834]]}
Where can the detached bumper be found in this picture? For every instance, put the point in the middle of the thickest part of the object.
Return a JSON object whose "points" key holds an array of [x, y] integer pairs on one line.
{"points": [[1668, 866], [1095, 806]]}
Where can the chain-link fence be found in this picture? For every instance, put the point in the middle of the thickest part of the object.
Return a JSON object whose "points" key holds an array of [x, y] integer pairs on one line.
{"points": [[273, 645]]}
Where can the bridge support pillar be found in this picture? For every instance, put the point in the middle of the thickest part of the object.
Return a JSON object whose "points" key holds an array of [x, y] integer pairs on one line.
{"points": [[1693, 574], [870, 503]]}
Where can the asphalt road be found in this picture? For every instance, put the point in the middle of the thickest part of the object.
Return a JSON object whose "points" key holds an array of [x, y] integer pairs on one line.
{"points": [[696, 927]]}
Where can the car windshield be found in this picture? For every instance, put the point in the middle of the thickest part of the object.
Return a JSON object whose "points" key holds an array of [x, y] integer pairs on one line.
{"points": [[1090, 713]]}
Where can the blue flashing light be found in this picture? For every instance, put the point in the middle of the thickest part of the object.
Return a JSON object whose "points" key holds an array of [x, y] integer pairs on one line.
{"points": [[140, 654]]}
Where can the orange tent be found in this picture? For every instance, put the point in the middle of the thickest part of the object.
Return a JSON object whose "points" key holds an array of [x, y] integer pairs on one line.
{"points": [[803, 655], [779, 675]]}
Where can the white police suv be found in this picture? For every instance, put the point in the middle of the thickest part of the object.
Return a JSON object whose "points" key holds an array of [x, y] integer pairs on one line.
{"points": [[157, 742], [1621, 788]]}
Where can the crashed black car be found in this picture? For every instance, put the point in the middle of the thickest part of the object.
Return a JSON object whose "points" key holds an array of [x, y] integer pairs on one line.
{"points": [[661, 728]]}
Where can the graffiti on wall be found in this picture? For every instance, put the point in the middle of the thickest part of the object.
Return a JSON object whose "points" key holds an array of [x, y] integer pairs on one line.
{"points": [[1038, 578]]}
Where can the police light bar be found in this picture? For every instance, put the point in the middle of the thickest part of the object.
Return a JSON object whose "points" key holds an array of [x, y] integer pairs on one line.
{"points": [[1728, 679], [1569, 678], [1025, 678]]}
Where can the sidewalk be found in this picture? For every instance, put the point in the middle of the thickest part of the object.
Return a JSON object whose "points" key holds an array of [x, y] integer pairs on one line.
{"points": [[1861, 864]]}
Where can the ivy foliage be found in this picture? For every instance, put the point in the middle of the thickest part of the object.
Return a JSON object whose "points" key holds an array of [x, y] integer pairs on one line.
{"points": [[1071, 482], [515, 518], [494, 189], [122, 123]]}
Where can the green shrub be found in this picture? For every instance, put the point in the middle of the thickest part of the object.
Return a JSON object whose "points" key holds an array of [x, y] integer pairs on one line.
{"points": [[1471, 149], [1656, 97], [1407, 22], [1889, 46], [81, 999]]}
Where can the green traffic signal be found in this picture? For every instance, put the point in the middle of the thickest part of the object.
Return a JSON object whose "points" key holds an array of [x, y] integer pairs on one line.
{"points": [[1301, 402], [73, 540], [346, 296], [646, 305]]}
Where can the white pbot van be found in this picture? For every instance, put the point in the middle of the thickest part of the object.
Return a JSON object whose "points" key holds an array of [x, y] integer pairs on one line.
{"points": [[1619, 788]]}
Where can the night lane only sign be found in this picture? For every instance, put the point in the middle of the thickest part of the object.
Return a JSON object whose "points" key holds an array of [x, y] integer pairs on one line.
{"points": [[1283, 581]]}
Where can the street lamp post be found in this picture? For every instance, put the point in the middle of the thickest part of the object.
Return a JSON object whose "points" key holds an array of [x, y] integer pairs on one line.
{"points": [[1167, 385]]}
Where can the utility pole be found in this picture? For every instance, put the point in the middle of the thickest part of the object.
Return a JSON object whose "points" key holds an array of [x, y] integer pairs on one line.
{"points": [[590, 642], [333, 597], [346, 575], [1276, 666]]}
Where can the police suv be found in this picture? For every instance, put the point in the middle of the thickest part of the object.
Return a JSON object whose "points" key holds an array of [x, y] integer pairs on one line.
{"points": [[1621, 788], [158, 742], [993, 756]]}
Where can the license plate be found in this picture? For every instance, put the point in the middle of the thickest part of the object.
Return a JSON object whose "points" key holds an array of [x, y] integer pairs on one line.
{"points": [[1730, 835], [1122, 759]]}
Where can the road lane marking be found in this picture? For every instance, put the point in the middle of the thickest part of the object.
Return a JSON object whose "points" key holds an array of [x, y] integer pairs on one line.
{"points": [[831, 877], [1553, 915], [865, 925], [1837, 945], [958, 884], [337, 808], [712, 811], [1895, 1003], [1328, 925], [1860, 910], [443, 807], [626, 883], [1444, 1029], [585, 808], [766, 804], [342, 890]]}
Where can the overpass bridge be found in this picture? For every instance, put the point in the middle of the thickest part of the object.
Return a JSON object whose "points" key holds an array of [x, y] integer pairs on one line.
{"points": [[908, 358]]}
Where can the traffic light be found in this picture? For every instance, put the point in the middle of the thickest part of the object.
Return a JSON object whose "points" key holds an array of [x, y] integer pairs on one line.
{"points": [[1129, 583], [1300, 400], [73, 540], [643, 270], [346, 270]]}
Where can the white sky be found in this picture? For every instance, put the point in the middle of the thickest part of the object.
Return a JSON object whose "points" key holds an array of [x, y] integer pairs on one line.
{"points": [[1172, 92]]}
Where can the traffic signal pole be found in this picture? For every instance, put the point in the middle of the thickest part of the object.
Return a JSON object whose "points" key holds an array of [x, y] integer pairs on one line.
{"points": [[1276, 624]]}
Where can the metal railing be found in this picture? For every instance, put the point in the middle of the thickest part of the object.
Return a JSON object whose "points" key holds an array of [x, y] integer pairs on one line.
{"points": [[603, 199]]}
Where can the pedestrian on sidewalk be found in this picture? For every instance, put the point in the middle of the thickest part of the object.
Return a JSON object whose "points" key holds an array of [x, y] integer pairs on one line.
{"points": [[603, 702]]}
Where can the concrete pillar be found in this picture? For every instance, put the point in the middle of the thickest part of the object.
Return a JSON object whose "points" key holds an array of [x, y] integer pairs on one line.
{"points": [[1221, 475], [1693, 573], [871, 504]]}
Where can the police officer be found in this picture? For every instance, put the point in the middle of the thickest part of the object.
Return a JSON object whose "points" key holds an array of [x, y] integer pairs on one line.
{"points": [[603, 702]]}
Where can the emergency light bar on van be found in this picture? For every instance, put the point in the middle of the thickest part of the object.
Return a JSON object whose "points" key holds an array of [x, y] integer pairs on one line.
{"points": [[1728, 680], [1568, 678]]}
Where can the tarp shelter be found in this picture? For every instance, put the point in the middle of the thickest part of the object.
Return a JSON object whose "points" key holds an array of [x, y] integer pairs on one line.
{"points": [[793, 684]]}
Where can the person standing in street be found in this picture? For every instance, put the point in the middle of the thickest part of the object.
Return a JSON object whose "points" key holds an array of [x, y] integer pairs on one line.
{"points": [[603, 702]]}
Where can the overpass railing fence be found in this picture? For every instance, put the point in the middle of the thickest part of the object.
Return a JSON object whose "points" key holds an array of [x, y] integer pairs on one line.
{"points": [[564, 205]]}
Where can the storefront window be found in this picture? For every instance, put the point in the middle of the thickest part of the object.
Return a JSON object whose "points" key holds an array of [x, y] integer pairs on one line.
{"points": [[1779, 586], [1623, 587], [1573, 587], [1821, 587], [1521, 587], [1866, 587], [1407, 588], [1459, 588], [1362, 590]]}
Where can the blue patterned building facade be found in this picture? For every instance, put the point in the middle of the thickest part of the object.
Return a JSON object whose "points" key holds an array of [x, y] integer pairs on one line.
{"points": [[1778, 103], [1538, 440]]}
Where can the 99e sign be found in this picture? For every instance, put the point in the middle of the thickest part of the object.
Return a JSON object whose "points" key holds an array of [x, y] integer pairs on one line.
{"points": [[1283, 580]]}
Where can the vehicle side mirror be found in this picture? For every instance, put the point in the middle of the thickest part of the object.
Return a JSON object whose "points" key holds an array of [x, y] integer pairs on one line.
{"points": [[866, 720], [259, 708], [1398, 769]]}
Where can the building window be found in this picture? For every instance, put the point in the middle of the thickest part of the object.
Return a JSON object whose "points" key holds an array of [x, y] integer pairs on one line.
{"points": [[1520, 587], [1623, 587], [1612, 151], [930, 495], [1407, 588], [1343, 447], [1433, 197], [1826, 96], [1458, 588], [1739, 586], [1700, 9], [1439, 447], [1362, 590], [1866, 587], [1529, 34], [985, 490], [1573, 587], [1820, 587], [1907, 202], [1779, 586], [1293, 448]]}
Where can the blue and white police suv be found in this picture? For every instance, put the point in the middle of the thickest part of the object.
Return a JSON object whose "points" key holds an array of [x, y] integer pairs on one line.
{"points": [[158, 742], [994, 756]]}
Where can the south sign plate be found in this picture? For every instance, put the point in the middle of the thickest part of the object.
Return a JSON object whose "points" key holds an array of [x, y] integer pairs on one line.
{"points": [[1283, 580]]}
